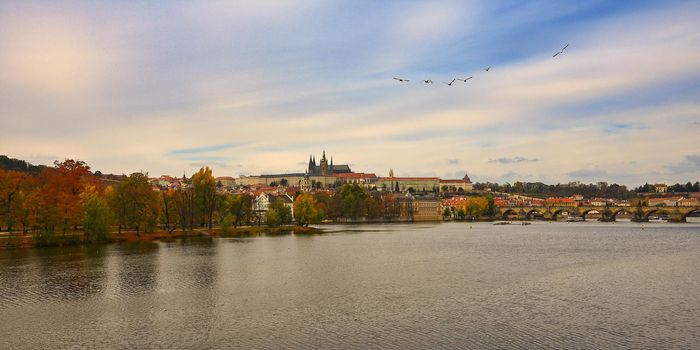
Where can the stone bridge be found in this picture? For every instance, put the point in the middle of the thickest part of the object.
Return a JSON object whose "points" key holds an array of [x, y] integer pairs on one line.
{"points": [[639, 214]]}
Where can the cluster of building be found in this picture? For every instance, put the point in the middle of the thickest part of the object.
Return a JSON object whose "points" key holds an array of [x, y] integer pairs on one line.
{"points": [[423, 198], [689, 201]]}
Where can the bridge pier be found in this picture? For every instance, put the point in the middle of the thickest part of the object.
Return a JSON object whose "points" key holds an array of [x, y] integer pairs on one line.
{"points": [[607, 216]]}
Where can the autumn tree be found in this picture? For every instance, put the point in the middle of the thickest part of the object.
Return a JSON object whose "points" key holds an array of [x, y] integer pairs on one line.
{"points": [[61, 189], [374, 205], [10, 189], [307, 210], [185, 205], [169, 213]]}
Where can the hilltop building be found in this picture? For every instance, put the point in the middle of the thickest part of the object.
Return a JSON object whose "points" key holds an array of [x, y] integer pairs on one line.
{"points": [[320, 175]]}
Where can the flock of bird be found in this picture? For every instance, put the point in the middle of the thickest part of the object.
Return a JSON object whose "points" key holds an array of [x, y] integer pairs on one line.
{"points": [[429, 81]]}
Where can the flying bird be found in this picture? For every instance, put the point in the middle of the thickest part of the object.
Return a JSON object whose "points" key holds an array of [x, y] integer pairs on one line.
{"points": [[428, 81], [450, 83], [487, 68], [465, 79], [401, 80], [561, 51]]}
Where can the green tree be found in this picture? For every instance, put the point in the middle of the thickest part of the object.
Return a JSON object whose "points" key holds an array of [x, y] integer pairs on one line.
{"points": [[137, 204], [446, 213], [353, 201], [97, 219], [239, 207], [490, 206], [205, 195], [461, 213], [278, 213]]}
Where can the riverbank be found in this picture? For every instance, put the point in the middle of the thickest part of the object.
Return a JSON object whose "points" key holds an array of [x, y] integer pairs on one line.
{"points": [[20, 241]]}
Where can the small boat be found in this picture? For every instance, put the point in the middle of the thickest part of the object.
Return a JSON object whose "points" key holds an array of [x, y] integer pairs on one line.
{"points": [[525, 223], [574, 219], [502, 223]]}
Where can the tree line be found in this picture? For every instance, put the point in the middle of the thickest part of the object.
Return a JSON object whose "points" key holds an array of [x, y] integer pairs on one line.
{"points": [[677, 188], [68, 203]]}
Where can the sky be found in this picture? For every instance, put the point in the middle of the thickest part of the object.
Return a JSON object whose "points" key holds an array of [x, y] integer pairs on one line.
{"points": [[249, 87]]}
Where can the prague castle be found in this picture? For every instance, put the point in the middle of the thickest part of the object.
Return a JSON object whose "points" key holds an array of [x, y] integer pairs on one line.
{"points": [[324, 168], [325, 174]]}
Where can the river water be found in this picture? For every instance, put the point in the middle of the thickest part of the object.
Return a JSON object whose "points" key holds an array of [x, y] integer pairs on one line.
{"points": [[402, 286]]}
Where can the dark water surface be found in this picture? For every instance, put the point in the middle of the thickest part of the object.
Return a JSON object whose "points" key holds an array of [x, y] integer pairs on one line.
{"points": [[421, 286]]}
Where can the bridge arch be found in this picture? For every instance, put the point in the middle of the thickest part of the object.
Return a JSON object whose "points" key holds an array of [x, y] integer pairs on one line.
{"points": [[558, 212], [656, 210], [684, 216], [587, 211], [508, 212], [528, 215], [614, 212]]}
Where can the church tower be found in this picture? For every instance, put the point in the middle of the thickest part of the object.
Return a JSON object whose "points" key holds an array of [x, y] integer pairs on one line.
{"points": [[324, 164], [391, 172]]}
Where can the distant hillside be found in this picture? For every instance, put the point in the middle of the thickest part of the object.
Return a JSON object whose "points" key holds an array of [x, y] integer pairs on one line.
{"points": [[7, 163]]}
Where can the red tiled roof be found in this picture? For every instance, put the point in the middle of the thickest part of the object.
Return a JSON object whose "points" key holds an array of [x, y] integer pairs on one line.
{"points": [[560, 200], [410, 178], [355, 175], [452, 181]]}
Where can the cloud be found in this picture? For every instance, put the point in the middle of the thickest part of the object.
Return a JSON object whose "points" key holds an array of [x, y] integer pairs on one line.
{"points": [[453, 161], [619, 127], [586, 173], [505, 160], [689, 165], [203, 149]]}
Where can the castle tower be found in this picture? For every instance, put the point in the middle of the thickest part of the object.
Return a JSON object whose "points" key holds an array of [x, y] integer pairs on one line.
{"points": [[391, 172], [330, 168]]}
